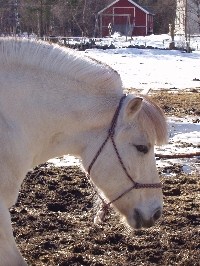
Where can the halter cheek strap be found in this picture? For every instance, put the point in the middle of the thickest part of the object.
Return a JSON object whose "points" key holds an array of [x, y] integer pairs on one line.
{"points": [[106, 205]]}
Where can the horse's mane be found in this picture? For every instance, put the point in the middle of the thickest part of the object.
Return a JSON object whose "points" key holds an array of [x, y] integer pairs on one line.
{"points": [[75, 66], [154, 119], [59, 60]]}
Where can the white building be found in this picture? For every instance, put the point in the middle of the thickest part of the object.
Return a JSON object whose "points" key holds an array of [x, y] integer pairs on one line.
{"points": [[187, 19]]}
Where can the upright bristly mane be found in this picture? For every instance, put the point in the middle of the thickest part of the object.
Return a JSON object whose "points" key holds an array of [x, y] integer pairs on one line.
{"points": [[154, 119], [61, 61]]}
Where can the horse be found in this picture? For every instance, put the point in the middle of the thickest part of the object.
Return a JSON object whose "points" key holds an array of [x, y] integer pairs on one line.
{"points": [[56, 101]]}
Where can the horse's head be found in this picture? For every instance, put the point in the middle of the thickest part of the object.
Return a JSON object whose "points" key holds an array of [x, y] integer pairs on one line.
{"points": [[124, 168]]}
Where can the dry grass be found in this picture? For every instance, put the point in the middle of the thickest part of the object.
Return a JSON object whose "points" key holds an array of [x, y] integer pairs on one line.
{"points": [[180, 103]]}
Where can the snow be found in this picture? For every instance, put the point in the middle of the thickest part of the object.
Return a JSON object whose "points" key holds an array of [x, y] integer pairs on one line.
{"points": [[184, 138], [156, 69], [184, 131], [66, 160], [152, 68]]}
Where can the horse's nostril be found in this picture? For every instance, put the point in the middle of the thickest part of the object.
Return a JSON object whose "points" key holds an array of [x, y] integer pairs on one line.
{"points": [[146, 222], [157, 215]]}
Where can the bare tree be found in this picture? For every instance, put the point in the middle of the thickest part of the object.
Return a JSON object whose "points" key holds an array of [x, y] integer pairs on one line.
{"points": [[193, 16], [187, 20], [7, 13], [164, 11]]}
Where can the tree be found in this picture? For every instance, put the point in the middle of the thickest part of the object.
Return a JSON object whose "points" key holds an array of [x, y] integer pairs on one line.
{"points": [[188, 17], [193, 16], [165, 12], [7, 13]]}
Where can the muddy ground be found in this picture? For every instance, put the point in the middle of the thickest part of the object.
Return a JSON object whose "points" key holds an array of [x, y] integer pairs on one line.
{"points": [[53, 218]]}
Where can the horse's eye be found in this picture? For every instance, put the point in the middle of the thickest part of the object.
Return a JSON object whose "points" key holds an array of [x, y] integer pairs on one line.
{"points": [[142, 148]]}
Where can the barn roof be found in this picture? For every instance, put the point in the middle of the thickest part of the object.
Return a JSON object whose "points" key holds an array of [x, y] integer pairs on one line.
{"points": [[132, 2]]}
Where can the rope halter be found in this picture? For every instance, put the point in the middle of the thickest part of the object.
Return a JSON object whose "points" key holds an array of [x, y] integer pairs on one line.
{"points": [[100, 217]]}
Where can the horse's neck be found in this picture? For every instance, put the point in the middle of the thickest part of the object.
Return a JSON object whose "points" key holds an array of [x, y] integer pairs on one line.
{"points": [[55, 115], [82, 121]]}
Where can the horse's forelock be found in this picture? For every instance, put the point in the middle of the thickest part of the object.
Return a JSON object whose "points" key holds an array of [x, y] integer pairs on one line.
{"points": [[154, 119]]}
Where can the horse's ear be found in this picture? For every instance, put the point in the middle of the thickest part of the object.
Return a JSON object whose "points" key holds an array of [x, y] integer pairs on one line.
{"points": [[134, 106]]}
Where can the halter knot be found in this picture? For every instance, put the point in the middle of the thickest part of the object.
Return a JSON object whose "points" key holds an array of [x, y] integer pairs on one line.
{"points": [[101, 214], [111, 132]]}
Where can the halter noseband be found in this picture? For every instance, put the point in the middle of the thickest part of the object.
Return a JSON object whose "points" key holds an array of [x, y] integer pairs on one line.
{"points": [[105, 205]]}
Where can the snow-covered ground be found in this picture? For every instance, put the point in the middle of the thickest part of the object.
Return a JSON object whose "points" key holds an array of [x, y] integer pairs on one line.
{"points": [[157, 41], [184, 138], [152, 68], [147, 69]]}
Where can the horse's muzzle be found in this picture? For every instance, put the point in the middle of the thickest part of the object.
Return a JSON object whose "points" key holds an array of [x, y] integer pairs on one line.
{"points": [[144, 222]]}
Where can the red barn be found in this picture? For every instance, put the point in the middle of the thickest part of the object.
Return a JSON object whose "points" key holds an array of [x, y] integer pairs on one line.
{"points": [[127, 17]]}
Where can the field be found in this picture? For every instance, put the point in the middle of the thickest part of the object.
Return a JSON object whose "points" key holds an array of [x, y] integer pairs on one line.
{"points": [[53, 218]]}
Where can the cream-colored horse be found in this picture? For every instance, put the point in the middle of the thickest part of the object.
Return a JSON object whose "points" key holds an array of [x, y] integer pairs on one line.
{"points": [[55, 101]]}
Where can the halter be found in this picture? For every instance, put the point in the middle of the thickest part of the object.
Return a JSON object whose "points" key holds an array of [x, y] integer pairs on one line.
{"points": [[106, 205]]}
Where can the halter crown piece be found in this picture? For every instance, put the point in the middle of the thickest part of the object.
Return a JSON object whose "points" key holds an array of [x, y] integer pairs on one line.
{"points": [[100, 216]]}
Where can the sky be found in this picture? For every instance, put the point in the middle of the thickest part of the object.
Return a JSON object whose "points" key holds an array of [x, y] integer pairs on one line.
{"points": [[147, 69]]}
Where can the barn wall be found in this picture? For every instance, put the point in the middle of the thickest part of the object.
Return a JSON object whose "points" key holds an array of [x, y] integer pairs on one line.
{"points": [[150, 23], [140, 23]]}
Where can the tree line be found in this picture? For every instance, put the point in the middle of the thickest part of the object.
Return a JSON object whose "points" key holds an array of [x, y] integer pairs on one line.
{"points": [[71, 17]]}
